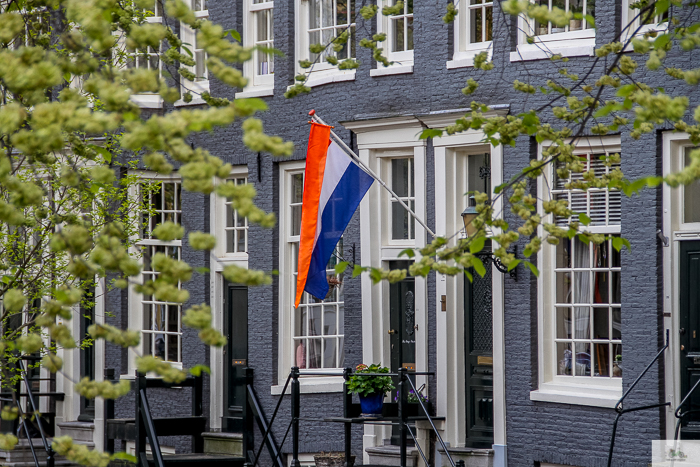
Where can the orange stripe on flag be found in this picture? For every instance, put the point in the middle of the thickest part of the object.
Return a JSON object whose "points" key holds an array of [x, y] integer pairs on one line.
{"points": [[319, 140]]}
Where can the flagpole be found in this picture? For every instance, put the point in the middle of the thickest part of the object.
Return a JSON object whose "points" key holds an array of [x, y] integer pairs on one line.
{"points": [[369, 171]]}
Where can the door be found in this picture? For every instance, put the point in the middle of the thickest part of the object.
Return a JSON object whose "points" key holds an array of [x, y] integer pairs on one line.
{"points": [[478, 346], [402, 335], [87, 352], [235, 357], [689, 329]]}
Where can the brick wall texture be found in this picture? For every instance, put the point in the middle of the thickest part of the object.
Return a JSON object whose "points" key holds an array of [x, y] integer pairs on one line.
{"points": [[536, 431]]}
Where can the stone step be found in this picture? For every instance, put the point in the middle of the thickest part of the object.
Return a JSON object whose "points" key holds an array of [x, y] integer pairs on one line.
{"points": [[21, 455], [223, 443], [81, 432], [472, 457], [391, 455]]}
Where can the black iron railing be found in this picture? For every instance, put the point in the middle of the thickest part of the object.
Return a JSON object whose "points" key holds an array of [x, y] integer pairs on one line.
{"points": [[621, 411]]}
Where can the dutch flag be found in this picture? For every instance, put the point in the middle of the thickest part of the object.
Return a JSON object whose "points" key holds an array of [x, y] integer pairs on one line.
{"points": [[333, 188]]}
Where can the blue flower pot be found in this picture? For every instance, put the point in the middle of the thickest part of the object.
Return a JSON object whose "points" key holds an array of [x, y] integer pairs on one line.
{"points": [[372, 404]]}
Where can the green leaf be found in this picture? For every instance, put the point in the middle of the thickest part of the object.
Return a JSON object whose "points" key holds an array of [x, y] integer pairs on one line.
{"points": [[479, 267], [513, 264], [584, 238], [102, 151], [198, 369], [619, 242], [533, 268], [235, 34], [341, 267], [626, 90], [376, 275], [202, 270], [187, 49], [122, 456], [430, 133], [408, 252], [584, 219], [661, 41], [500, 188], [357, 270], [477, 245], [469, 276], [590, 20]]}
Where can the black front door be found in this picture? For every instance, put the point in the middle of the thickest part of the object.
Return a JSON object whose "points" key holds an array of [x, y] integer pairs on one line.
{"points": [[402, 335], [235, 357], [478, 346], [87, 351], [689, 328]]}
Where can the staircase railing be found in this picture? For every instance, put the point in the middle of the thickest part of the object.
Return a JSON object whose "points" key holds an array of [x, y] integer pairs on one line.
{"points": [[265, 427], [50, 454], [618, 407]]}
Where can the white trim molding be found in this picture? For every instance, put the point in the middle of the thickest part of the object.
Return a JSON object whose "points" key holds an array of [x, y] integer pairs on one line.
{"points": [[464, 49], [451, 152]]}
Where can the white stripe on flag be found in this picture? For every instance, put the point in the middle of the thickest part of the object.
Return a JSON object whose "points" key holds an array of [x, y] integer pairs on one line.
{"points": [[336, 164]]}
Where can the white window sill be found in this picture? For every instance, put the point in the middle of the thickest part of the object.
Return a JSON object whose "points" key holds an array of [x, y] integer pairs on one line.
{"points": [[328, 77], [465, 58], [313, 385], [545, 50], [194, 101], [592, 396], [239, 259], [255, 91], [392, 70], [658, 28], [147, 101]]}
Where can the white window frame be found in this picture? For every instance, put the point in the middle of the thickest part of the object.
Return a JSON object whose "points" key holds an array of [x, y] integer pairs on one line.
{"points": [[322, 72], [135, 300], [567, 44], [403, 61], [221, 205], [189, 36], [631, 16], [286, 351], [464, 50], [258, 85], [145, 100], [385, 159], [599, 392]]}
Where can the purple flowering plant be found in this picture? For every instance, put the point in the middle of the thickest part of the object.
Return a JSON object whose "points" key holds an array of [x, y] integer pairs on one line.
{"points": [[414, 396]]}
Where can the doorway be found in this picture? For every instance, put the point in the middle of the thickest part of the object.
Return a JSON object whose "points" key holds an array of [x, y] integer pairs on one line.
{"points": [[235, 357], [478, 349], [402, 335], [689, 330]]}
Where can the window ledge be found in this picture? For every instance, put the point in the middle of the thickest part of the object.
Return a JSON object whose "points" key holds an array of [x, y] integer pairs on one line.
{"points": [[194, 101], [147, 101], [335, 76], [313, 385], [592, 396], [465, 58], [256, 92], [544, 50], [392, 70]]}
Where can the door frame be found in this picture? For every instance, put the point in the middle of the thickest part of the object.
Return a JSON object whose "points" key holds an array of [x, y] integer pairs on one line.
{"points": [[450, 350], [677, 232]]}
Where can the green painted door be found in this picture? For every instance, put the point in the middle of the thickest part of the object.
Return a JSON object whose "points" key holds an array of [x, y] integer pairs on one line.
{"points": [[689, 330], [235, 357], [478, 346]]}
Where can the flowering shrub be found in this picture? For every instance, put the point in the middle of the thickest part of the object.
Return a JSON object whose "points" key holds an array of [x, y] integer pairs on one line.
{"points": [[414, 396]]}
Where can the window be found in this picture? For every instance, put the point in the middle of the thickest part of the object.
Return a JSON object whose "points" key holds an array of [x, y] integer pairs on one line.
{"points": [[543, 40], [580, 290], [473, 31], [236, 227], [319, 22], [691, 194], [161, 320], [258, 30], [193, 49], [317, 339], [586, 7], [398, 46], [634, 19], [402, 183]]}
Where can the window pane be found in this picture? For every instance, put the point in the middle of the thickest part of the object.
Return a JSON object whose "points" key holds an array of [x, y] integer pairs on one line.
{"points": [[563, 254], [409, 33], [583, 360], [398, 28], [475, 25], [563, 287], [564, 358], [315, 14], [564, 325], [601, 323], [602, 359], [399, 176], [600, 287], [399, 222], [691, 196], [582, 322]]}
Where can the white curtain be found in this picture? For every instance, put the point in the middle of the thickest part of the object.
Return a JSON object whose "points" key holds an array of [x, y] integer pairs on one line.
{"points": [[582, 293]]}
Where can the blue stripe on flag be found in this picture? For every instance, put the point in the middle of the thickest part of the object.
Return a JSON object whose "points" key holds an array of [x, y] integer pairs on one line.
{"points": [[335, 218]]}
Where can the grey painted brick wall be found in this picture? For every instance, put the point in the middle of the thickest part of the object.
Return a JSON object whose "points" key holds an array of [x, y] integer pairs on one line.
{"points": [[536, 431]]}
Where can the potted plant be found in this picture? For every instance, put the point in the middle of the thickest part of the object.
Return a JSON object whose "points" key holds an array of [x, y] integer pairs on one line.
{"points": [[332, 459], [370, 388]]}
